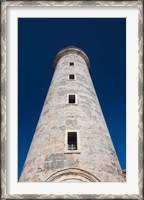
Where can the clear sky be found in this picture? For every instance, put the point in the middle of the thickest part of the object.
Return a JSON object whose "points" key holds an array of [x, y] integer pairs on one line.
{"points": [[104, 42]]}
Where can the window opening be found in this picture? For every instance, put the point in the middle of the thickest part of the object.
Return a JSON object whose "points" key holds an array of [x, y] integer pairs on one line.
{"points": [[72, 140], [71, 63], [72, 98], [71, 76]]}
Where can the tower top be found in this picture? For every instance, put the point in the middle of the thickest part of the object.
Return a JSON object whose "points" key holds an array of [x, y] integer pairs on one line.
{"points": [[72, 49]]}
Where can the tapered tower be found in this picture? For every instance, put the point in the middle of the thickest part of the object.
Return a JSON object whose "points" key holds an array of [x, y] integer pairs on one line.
{"points": [[71, 142]]}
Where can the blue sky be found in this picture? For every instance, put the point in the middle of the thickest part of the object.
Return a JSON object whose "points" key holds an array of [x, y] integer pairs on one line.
{"points": [[104, 42]]}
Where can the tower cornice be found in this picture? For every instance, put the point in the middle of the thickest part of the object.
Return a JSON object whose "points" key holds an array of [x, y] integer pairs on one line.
{"points": [[71, 49]]}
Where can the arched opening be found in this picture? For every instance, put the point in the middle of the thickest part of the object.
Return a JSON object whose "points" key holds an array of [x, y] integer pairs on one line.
{"points": [[72, 175]]}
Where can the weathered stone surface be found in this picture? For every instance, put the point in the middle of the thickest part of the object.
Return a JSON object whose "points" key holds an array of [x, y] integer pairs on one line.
{"points": [[95, 159]]}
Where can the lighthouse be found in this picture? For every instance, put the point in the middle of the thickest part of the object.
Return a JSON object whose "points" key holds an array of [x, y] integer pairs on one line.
{"points": [[71, 142]]}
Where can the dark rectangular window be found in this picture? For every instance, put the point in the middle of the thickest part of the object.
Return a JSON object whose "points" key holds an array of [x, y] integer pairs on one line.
{"points": [[72, 98], [71, 76], [71, 63], [72, 140]]}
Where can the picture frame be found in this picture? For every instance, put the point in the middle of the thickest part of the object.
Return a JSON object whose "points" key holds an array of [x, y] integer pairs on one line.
{"points": [[4, 101]]}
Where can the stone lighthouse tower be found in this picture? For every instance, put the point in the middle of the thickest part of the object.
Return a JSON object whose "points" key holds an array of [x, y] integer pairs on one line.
{"points": [[71, 142]]}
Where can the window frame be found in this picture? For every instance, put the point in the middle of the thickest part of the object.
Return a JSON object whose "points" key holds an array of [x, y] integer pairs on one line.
{"points": [[76, 101], [72, 79], [71, 64], [77, 151]]}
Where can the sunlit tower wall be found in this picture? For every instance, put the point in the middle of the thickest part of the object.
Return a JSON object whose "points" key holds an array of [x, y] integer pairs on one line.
{"points": [[71, 142]]}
